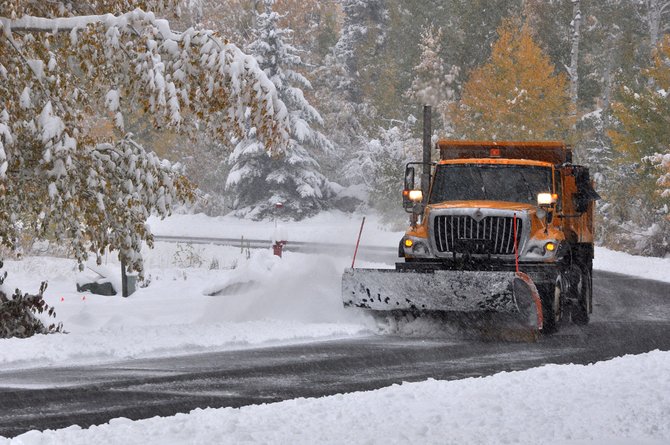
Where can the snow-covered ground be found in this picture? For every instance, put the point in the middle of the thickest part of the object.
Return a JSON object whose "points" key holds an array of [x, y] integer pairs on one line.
{"points": [[265, 300], [638, 266], [622, 401]]}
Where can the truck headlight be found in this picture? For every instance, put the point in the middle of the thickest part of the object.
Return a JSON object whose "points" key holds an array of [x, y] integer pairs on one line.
{"points": [[544, 250], [546, 199], [416, 247], [416, 195]]}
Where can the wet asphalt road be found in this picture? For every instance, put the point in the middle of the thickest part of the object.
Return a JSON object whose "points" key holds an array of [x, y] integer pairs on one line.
{"points": [[630, 316]]}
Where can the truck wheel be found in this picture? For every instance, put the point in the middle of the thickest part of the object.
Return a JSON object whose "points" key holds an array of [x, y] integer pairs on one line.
{"points": [[552, 303], [582, 309]]}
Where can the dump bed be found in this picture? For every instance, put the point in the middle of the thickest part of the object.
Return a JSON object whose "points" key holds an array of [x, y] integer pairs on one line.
{"points": [[555, 152]]}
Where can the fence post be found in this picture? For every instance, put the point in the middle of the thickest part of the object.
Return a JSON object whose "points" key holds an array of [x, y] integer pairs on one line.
{"points": [[124, 280]]}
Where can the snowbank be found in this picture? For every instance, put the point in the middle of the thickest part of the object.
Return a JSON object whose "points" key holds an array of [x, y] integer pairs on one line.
{"points": [[622, 401], [262, 300], [644, 267]]}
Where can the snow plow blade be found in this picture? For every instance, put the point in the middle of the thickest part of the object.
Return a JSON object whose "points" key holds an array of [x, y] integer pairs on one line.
{"points": [[468, 292]]}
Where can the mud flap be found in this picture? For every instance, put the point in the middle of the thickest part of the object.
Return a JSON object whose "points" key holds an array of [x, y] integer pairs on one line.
{"points": [[528, 301], [467, 292]]}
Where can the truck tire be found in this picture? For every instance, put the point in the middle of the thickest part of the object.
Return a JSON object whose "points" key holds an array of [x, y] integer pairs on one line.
{"points": [[552, 306], [581, 310]]}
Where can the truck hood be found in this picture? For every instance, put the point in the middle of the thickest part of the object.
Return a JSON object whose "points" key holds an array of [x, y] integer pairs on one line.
{"points": [[504, 205]]}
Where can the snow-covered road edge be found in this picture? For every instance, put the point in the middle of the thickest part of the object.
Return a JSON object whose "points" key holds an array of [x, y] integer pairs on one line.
{"points": [[624, 400], [650, 268]]}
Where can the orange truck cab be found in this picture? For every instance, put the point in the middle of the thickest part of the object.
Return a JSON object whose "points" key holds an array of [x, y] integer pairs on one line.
{"points": [[505, 206]]}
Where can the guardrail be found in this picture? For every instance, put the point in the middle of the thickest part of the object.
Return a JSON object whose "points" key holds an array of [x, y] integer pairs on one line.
{"points": [[369, 253]]}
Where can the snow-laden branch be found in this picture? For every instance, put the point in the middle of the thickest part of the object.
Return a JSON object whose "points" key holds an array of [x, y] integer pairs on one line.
{"points": [[192, 56], [62, 77], [66, 24]]}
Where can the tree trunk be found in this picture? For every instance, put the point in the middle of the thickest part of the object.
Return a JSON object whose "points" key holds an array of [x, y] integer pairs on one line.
{"points": [[574, 52], [607, 73], [654, 12]]}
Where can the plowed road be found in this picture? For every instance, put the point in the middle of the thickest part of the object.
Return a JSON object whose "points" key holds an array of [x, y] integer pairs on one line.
{"points": [[631, 316]]}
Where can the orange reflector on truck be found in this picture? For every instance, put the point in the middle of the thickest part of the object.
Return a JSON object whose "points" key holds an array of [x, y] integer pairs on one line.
{"points": [[494, 152]]}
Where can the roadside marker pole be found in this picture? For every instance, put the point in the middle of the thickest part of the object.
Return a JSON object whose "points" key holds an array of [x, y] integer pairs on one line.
{"points": [[516, 249], [358, 241]]}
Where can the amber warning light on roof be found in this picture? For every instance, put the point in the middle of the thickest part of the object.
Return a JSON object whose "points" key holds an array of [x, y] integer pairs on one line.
{"points": [[555, 152]]}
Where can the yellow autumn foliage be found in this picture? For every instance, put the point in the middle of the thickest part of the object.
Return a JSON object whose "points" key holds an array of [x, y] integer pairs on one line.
{"points": [[517, 95]]}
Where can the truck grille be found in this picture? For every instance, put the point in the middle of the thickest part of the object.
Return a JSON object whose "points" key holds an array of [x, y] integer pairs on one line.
{"points": [[463, 234]]}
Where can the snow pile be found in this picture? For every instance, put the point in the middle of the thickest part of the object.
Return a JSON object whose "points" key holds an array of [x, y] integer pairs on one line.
{"points": [[262, 300], [295, 287], [625, 400], [651, 268]]}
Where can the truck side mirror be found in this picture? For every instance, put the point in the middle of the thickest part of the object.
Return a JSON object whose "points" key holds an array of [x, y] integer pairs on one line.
{"points": [[407, 203], [585, 192]]}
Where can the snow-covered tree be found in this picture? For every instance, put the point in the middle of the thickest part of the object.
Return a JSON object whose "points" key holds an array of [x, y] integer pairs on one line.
{"points": [[249, 167], [380, 164], [65, 67], [434, 82], [349, 76], [661, 162], [639, 193], [293, 177], [429, 86], [363, 33], [656, 14]]}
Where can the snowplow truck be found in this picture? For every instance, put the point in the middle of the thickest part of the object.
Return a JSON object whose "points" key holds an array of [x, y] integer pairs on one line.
{"points": [[499, 227]]}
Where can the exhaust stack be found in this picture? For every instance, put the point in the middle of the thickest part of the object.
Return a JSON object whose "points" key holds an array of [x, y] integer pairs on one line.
{"points": [[427, 133]]}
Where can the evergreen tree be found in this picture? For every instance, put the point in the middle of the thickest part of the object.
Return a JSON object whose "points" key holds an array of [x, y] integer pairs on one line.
{"points": [[293, 177], [516, 95], [362, 36], [380, 163], [640, 196], [245, 183]]}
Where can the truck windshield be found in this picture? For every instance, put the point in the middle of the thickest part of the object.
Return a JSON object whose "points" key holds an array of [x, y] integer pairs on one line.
{"points": [[487, 182]]}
